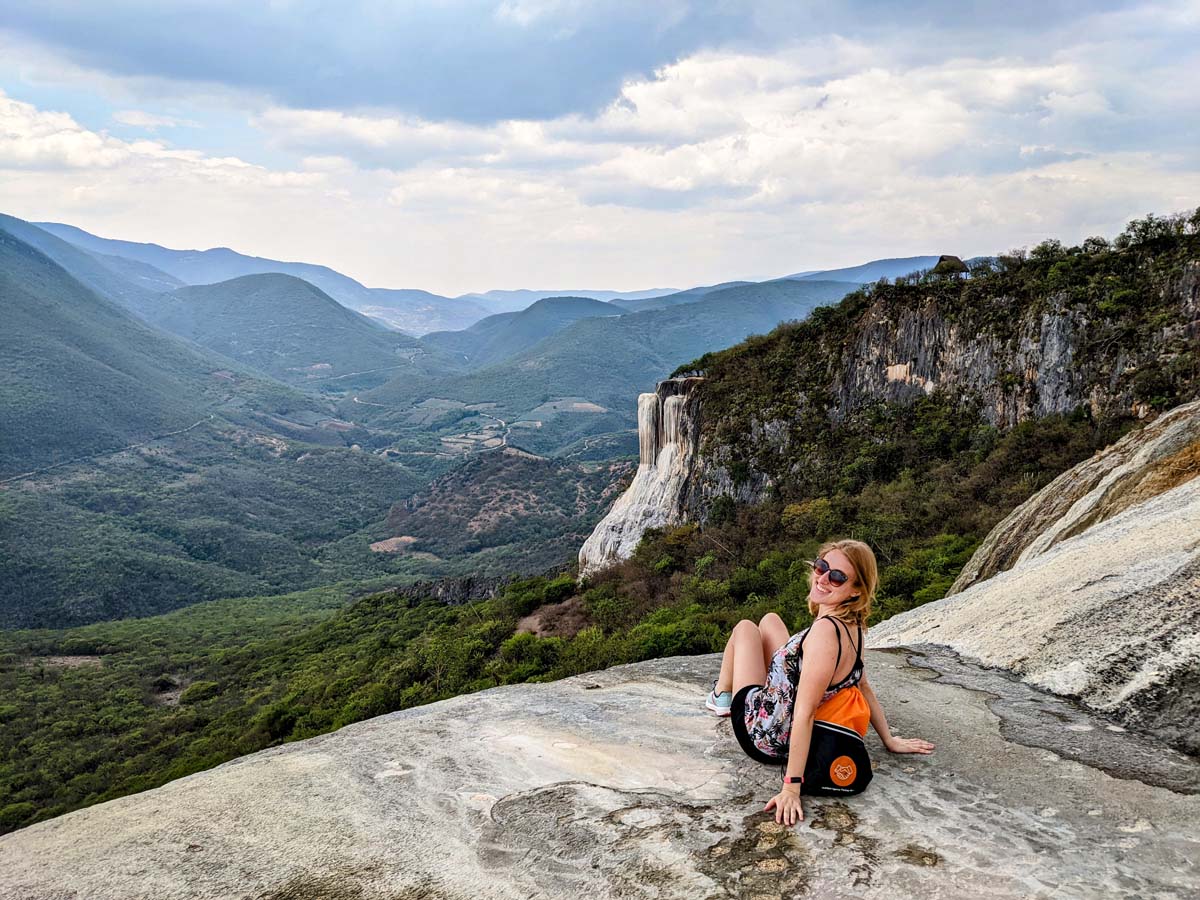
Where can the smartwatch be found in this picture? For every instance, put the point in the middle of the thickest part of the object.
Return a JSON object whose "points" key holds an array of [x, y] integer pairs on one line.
{"points": [[793, 779]]}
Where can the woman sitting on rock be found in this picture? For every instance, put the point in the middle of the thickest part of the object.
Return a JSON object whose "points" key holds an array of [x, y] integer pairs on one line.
{"points": [[774, 700]]}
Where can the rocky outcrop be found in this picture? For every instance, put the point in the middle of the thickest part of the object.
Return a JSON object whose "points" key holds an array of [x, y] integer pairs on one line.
{"points": [[1103, 601], [1038, 365], [1136, 468], [668, 430], [1051, 356], [617, 784]]}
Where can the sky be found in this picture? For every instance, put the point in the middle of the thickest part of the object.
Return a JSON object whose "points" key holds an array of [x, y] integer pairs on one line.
{"points": [[468, 145]]}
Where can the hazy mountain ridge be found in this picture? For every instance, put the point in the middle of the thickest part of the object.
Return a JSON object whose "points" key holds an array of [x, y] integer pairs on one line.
{"points": [[410, 310], [104, 276], [870, 272], [494, 339], [513, 300], [583, 379]]}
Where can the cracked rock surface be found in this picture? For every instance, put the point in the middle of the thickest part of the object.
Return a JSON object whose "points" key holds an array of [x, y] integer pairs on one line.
{"points": [[619, 784]]}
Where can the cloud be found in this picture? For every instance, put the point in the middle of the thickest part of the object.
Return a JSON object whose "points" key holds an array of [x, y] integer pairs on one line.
{"points": [[470, 60], [745, 158], [151, 122]]}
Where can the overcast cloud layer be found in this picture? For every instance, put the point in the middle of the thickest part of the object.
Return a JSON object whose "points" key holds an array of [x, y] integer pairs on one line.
{"points": [[562, 143]]}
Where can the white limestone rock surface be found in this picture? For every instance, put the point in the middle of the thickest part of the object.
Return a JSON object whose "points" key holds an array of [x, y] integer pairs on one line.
{"points": [[1109, 614], [618, 784], [1142, 464]]}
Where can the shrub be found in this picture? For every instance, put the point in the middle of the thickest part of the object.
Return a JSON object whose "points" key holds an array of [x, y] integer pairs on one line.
{"points": [[199, 691]]}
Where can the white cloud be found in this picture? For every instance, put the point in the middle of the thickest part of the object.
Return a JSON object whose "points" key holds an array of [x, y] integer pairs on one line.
{"points": [[142, 119], [721, 165]]}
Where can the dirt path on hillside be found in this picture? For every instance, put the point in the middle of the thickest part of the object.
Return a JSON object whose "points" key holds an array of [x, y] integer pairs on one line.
{"points": [[146, 443]]}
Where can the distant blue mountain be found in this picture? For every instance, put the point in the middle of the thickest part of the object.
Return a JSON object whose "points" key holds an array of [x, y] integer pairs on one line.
{"points": [[511, 301], [413, 311], [872, 271]]}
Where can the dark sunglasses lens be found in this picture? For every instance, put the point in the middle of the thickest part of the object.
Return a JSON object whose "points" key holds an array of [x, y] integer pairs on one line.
{"points": [[837, 576]]}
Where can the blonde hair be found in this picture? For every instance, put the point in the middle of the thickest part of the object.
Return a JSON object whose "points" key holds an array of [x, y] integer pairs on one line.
{"points": [[867, 571]]}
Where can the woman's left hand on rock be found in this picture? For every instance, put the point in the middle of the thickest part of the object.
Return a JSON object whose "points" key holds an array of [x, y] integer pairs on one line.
{"points": [[909, 745]]}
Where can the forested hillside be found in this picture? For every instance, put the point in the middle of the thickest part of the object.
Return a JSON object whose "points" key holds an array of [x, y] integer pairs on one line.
{"points": [[84, 376], [293, 331]]}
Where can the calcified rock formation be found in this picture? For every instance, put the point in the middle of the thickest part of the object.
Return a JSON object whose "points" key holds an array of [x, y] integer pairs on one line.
{"points": [[1139, 466], [617, 784], [1103, 601], [668, 428]]}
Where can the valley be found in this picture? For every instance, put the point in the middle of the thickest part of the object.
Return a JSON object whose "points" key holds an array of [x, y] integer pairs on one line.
{"points": [[312, 546]]}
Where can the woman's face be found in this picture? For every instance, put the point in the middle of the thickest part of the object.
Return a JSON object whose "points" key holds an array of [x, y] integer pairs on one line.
{"points": [[823, 591]]}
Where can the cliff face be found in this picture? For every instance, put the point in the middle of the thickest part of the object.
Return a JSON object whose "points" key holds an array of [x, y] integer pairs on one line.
{"points": [[1043, 363], [1020, 360], [668, 430], [1141, 465]]}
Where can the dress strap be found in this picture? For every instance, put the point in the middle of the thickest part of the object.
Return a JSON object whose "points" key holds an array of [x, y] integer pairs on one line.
{"points": [[857, 667]]}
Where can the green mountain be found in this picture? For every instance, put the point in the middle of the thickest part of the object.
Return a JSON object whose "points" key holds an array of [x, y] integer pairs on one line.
{"points": [[83, 376], [584, 380], [494, 339], [286, 327], [237, 484]]}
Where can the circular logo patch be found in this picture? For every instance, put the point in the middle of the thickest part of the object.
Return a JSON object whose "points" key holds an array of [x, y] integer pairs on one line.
{"points": [[842, 771]]}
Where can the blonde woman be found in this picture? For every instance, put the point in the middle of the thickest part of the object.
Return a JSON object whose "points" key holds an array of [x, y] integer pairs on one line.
{"points": [[773, 685]]}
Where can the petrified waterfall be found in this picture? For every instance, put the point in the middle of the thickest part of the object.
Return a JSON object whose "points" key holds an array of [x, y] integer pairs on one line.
{"points": [[668, 430]]}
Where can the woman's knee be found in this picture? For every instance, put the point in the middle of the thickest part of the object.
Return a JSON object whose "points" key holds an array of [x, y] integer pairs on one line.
{"points": [[745, 625], [769, 620]]}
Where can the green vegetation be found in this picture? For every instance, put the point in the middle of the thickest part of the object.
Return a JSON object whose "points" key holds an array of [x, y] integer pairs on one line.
{"points": [[500, 513], [213, 513], [286, 328], [290, 668]]}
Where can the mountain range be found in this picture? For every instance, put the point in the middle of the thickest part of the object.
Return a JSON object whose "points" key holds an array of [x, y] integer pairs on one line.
{"points": [[413, 311]]}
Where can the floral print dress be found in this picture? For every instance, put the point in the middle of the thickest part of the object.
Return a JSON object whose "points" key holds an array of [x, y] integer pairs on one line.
{"points": [[769, 708]]}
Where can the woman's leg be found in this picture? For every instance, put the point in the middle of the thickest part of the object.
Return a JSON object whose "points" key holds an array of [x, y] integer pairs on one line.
{"points": [[774, 635], [742, 663]]}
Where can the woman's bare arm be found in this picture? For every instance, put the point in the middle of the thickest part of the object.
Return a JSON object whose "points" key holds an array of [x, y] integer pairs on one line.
{"points": [[879, 723]]}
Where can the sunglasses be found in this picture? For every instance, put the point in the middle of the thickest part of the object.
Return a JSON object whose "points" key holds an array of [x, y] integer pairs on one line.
{"points": [[836, 576]]}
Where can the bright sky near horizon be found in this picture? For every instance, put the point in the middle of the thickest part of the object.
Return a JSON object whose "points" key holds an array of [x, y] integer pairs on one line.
{"points": [[477, 144]]}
